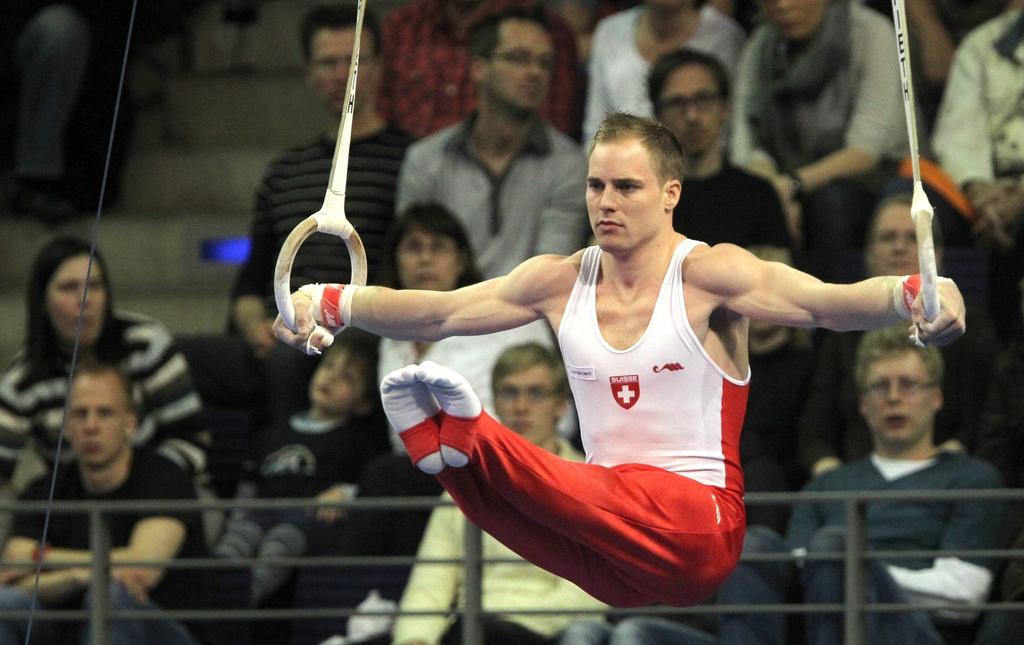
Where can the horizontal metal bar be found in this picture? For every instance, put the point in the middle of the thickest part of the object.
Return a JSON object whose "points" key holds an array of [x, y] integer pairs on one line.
{"points": [[408, 560], [336, 612], [426, 503]]}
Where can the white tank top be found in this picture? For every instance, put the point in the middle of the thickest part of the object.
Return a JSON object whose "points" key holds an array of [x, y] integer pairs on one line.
{"points": [[662, 402]]}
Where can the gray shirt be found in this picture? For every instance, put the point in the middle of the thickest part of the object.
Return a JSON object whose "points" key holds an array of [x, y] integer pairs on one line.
{"points": [[537, 206]]}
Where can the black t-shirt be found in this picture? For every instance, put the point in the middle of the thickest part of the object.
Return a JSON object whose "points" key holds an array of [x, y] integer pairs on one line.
{"points": [[733, 206], [308, 457], [152, 477]]}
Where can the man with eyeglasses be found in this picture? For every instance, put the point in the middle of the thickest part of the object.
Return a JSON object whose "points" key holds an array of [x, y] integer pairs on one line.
{"points": [[427, 83], [510, 177], [690, 94], [831, 429], [530, 396], [899, 396]]}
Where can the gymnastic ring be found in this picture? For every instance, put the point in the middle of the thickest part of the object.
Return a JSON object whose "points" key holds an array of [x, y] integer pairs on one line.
{"points": [[318, 222]]}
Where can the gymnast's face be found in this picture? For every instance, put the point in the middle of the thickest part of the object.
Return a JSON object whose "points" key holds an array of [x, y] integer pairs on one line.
{"points": [[628, 204], [64, 297], [427, 260]]}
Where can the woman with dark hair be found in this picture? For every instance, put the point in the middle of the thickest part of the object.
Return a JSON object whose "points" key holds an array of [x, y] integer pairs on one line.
{"points": [[34, 386], [437, 223], [428, 249]]}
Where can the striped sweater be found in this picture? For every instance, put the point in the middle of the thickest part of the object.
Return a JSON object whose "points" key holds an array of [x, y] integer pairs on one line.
{"points": [[32, 401], [293, 188]]}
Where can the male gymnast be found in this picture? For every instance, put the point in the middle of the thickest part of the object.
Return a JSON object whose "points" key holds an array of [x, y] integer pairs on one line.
{"points": [[653, 331]]}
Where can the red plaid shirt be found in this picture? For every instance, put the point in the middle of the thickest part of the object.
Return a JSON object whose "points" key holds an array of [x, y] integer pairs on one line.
{"points": [[426, 84]]}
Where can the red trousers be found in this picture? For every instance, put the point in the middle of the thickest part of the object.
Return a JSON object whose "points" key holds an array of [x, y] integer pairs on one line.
{"points": [[629, 535]]}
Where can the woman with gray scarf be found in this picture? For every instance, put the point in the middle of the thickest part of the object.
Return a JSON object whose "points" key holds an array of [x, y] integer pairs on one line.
{"points": [[819, 113]]}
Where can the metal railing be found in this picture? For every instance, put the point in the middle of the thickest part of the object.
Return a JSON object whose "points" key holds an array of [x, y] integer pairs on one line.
{"points": [[853, 607]]}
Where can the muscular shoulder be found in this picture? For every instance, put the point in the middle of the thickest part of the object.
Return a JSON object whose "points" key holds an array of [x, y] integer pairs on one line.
{"points": [[543, 279], [723, 269]]}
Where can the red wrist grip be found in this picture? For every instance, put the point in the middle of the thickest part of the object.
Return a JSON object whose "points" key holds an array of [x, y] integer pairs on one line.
{"points": [[330, 306], [911, 287]]}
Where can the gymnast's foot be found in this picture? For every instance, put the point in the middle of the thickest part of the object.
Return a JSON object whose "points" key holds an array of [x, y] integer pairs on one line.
{"points": [[409, 405], [456, 398]]}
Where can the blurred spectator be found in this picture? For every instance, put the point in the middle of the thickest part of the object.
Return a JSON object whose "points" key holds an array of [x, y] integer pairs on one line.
{"points": [[1001, 438], [979, 139], [100, 429], [509, 176], [628, 42], [33, 389], [428, 250], [530, 394], [897, 386], [579, 15], [831, 430], [819, 113], [320, 454], [61, 64], [254, 370], [51, 48], [428, 83], [720, 202], [934, 28], [1001, 443]]}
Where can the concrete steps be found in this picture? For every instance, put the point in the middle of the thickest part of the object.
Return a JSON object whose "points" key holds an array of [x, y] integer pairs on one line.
{"points": [[204, 110], [172, 181], [142, 250]]}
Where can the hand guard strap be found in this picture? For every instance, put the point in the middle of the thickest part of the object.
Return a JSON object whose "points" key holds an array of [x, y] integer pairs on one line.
{"points": [[904, 294], [332, 304]]}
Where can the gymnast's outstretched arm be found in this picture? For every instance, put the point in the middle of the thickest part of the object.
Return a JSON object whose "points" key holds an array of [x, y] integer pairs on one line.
{"points": [[524, 295]]}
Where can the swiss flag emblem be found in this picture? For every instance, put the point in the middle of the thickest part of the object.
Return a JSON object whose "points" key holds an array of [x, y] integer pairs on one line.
{"points": [[626, 390]]}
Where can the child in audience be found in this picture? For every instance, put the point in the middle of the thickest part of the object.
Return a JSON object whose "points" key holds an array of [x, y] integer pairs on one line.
{"points": [[319, 454]]}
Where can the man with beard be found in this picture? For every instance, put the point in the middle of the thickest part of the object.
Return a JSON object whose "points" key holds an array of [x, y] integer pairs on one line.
{"points": [[511, 178]]}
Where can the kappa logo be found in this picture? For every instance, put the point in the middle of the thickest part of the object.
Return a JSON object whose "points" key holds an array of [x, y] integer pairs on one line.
{"points": [[672, 367], [626, 389]]}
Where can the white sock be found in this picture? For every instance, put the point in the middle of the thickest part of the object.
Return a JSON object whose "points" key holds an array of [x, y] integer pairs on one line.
{"points": [[456, 398], [451, 390], [407, 403]]}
